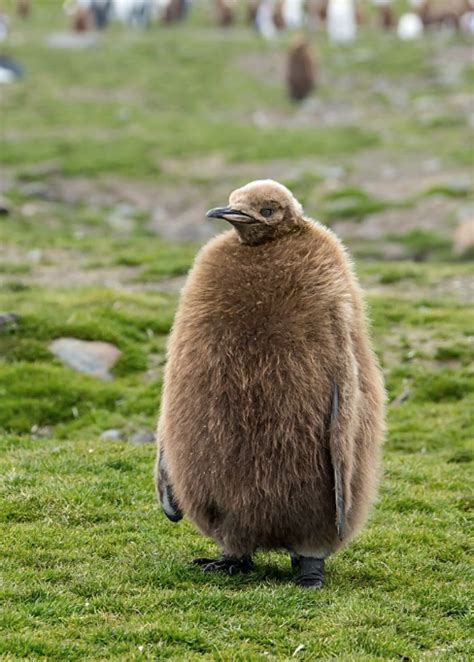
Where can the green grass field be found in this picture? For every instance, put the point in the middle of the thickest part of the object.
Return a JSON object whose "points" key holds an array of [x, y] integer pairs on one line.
{"points": [[110, 157]]}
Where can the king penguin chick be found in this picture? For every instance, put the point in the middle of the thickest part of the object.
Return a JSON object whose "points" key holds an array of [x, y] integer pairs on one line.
{"points": [[300, 70], [23, 8], [273, 403]]}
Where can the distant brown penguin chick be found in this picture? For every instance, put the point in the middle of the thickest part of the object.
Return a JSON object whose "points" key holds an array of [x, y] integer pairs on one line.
{"points": [[385, 17], [359, 14], [318, 8], [174, 11], [272, 411], [278, 16], [252, 10], [23, 8], [444, 12], [224, 13], [301, 70], [81, 20]]}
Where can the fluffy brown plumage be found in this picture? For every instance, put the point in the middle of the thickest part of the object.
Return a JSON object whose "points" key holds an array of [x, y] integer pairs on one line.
{"points": [[386, 17], [272, 408], [174, 11], [81, 20], [224, 11], [443, 12], [278, 17], [301, 70], [252, 10], [23, 8]]}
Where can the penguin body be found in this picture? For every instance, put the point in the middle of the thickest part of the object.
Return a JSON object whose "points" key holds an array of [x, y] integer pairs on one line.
{"points": [[272, 411], [301, 70]]}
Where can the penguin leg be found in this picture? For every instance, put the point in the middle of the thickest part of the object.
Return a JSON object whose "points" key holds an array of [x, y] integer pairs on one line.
{"points": [[310, 571], [228, 563]]}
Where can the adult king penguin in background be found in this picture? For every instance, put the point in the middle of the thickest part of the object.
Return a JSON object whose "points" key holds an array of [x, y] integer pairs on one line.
{"points": [[273, 404]]}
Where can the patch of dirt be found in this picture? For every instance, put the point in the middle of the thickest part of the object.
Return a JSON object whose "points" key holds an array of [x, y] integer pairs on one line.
{"points": [[436, 213], [61, 268], [450, 62], [266, 67], [456, 288], [392, 177]]}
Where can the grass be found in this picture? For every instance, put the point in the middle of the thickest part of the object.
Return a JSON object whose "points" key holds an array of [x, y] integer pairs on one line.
{"points": [[90, 569]]}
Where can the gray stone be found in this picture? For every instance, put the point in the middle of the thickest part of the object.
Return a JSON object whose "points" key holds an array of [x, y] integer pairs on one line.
{"points": [[72, 40], [44, 431], [35, 190], [5, 206], [112, 434], [94, 358], [8, 318], [35, 255], [142, 437]]}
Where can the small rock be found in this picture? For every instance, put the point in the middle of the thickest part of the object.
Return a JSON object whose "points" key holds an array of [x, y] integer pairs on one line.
{"points": [[44, 168], [142, 437], [90, 357], [41, 431], [5, 206], [121, 218], [35, 190], [8, 318], [463, 239], [29, 210], [112, 434], [35, 255], [401, 397], [72, 40]]}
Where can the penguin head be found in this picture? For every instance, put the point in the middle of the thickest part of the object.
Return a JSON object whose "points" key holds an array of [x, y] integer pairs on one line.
{"points": [[261, 211]]}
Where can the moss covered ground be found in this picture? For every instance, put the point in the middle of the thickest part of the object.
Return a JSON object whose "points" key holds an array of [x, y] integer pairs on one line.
{"points": [[93, 142]]}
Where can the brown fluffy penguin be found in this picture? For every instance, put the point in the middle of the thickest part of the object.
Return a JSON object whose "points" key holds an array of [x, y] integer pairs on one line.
{"points": [[300, 70], [273, 403], [23, 8], [81, 20], [224, 12]]}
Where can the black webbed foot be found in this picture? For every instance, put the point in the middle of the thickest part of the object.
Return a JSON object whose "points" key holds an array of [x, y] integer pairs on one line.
{"points": [[310, 571], [232, 565]]}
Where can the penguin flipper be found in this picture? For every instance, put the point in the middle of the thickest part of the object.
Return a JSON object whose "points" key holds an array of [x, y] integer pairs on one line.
{"points": [[166, 495], [337, 468]]}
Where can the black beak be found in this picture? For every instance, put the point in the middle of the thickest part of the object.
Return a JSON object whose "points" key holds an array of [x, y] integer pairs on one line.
{"points": [[230, 214]]}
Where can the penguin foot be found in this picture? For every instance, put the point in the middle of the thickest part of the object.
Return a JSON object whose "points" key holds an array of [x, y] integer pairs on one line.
{"points": [[232, 565], [310, 571]]}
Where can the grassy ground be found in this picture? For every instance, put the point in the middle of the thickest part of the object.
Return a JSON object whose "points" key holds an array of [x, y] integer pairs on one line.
{"points": [[111, 156]]}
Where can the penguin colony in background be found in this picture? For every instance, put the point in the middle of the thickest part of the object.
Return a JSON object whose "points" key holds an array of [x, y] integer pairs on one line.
{"points": [[273, 403]]}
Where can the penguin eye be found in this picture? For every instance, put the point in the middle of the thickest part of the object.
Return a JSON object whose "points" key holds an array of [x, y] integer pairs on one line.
{"points": [[266, 212]]}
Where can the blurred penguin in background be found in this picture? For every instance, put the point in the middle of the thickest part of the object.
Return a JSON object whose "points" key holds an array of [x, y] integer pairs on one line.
{"points": [[385, 15], [252, 10], [316, 11], [301, 70], [341, 21], [23, 8], [101, 12], [225, 13], [81, 16], [293, 13], [410, 27], [175, 10], [264, 20], [443, 13], [278, 17]]}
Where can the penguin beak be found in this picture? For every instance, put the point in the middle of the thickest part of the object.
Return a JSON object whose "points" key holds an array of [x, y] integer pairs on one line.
{"points": [[230, 214]]}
